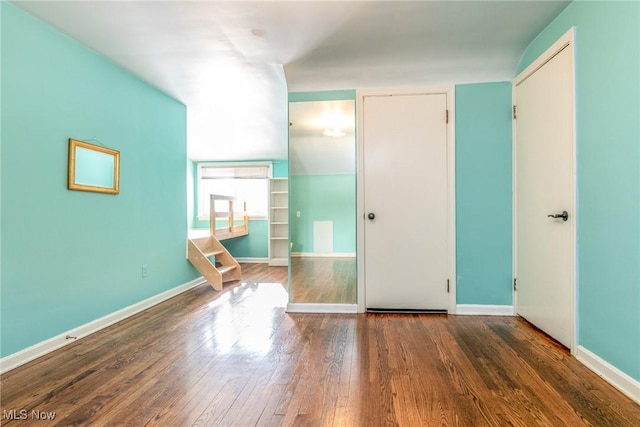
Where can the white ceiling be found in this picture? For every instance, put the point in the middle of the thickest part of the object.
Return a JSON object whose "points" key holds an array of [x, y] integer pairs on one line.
{"points": [[232, 63]]}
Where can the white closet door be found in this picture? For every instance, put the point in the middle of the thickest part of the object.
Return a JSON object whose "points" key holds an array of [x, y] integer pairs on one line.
{"points": [[545, 186], [405, 188]]}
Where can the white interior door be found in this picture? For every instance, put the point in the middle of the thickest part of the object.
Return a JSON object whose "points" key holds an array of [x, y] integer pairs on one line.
{"points": [[405, 187], [545, 186]]}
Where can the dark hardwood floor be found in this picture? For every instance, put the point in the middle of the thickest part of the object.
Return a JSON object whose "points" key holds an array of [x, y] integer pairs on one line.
{"points": [[235, 358]]}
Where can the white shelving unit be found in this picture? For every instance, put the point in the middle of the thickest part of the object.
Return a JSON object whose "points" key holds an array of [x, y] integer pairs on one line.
{"points": [[279, 222]]}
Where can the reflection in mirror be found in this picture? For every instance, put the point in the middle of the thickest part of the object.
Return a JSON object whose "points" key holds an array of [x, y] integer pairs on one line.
{"points": [[93, 168], [322, 207]]}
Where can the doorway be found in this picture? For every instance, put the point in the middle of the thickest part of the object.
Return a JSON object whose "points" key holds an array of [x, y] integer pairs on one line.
{"points": [[544, 178], [406, 208]]}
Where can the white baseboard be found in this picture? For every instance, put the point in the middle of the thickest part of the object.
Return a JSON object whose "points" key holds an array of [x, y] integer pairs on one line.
{"points": [[609, 373], [323, 254], [300, 307], [484, 310], [249, 260], [40, 349]]}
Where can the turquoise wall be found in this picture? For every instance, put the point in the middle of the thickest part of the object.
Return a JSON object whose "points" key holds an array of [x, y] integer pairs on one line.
{"points": [[607, 67], [483, 194], [323, 198], [70, 257], [254, 245], [191, 194], [328, 95], [280, 168]]}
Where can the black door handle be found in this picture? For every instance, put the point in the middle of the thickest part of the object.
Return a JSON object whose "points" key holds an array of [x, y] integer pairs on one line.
{"points": [[371, 215], [564, 215]]}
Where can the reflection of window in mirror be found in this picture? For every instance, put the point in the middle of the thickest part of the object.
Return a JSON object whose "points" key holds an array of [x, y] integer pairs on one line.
{"points": [[322, 206], [93, 168]]}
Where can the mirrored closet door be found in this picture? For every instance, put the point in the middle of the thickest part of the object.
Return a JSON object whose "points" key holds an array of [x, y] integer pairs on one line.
{"points": [[322, 202]]}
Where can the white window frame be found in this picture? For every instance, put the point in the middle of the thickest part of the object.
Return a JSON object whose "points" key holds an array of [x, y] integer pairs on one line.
{"points": [[199, 199]]}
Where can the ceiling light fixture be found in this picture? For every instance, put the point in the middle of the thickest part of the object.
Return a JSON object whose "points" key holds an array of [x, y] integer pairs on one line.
{"points": [[334, 132]]}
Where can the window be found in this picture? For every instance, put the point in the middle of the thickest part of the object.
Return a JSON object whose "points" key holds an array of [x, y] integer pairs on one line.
{"points": [[248, 182]]}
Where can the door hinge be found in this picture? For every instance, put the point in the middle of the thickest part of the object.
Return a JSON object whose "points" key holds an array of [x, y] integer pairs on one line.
{"points": [[446, 116], [515, 111], [515, 284], [447, 285]]}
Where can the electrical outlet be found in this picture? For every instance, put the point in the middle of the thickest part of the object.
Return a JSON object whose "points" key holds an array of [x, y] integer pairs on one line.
{"points": [[145, 270], [298, 214]]}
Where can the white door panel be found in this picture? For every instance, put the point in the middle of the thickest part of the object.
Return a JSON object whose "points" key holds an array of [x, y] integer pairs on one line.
{"points": [[405, 187], [544, 186]]}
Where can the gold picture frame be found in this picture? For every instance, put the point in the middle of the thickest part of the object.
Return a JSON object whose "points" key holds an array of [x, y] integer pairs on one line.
{"points": [[93, 168]]}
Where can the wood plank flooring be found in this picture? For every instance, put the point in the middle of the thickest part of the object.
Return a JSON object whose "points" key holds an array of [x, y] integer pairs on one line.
{"points": [[323, 280], [235, 358]]}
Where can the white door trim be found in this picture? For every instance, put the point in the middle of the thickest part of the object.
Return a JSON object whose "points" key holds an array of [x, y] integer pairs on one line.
{"points": [[449, 92], [565, 41]]}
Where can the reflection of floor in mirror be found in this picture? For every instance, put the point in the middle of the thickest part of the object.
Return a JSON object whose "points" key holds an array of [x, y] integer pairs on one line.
{"points": [[323, 280]]}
